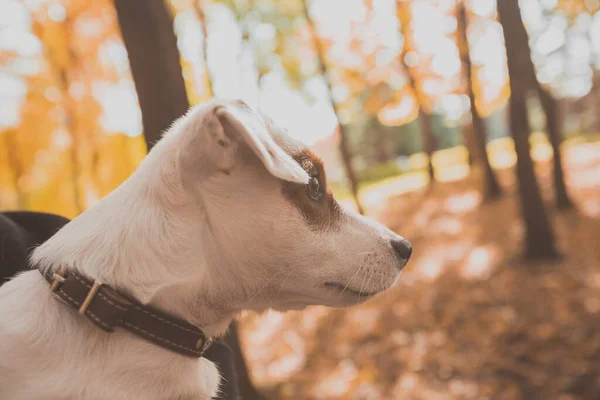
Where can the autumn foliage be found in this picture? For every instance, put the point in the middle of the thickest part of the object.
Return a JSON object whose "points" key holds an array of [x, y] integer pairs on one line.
{"points": [[72, 127], [411, 92]]}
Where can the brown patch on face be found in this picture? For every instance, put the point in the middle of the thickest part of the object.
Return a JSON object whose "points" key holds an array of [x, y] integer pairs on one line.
{"points": [[323, 212]]}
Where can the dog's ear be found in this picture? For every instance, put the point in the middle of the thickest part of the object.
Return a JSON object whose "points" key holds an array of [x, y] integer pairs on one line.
{"points": [[240, 123]]}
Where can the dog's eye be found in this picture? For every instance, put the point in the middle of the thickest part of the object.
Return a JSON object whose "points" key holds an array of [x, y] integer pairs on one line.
{"points": [[313, 189]]}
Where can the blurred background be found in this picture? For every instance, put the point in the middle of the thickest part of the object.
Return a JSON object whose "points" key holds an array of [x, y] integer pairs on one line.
{"points": [[471, 127]]}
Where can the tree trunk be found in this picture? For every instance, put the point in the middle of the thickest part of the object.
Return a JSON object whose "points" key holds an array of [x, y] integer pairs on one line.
{"points": [[553, 122], [148, 34], [426, 127], [539, 238], [492, 188], [554, 130], [469, 143], [429, 142], [344, 145]]}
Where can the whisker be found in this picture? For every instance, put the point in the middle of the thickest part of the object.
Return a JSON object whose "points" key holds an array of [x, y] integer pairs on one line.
{"points": [[360, 267], [289, 272], [366, 288], [361, 288], [259, 291]]}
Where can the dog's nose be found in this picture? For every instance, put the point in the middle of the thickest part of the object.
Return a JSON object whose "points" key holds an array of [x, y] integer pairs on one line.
{"points": [[402, 248]]}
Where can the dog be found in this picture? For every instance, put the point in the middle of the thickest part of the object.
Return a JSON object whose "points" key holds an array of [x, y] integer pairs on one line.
{"points": [[226, 213], [22, 231]]}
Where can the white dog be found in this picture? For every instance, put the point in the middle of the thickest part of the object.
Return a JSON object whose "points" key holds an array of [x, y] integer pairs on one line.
{"points": [[226, 213]]}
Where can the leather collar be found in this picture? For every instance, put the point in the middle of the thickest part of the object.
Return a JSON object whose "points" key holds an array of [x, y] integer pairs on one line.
{"points": [[107, 309]]}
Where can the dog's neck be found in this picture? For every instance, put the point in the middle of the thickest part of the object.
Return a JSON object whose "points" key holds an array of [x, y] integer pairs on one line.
{"points": [[147, 242]]}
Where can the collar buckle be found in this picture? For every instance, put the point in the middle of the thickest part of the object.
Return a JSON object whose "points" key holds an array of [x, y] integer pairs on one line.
{"points": [[58, 279], [203, 344], [90, 296]]}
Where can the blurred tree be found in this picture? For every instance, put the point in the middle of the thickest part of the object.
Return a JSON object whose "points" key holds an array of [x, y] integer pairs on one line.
{"points": [[553, 119], [479, 135], [539, 237], [569, 13], [156, 74], [554, 131], [425, 117], [65, 164], [14, 164], [468, 140], [61, 62], [344, 144], [567, 64]]}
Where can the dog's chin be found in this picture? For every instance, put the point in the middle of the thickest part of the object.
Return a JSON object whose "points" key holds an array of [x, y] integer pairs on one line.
{"points": [[327, 300], [330, 294], [347, 291], [346, 295]]}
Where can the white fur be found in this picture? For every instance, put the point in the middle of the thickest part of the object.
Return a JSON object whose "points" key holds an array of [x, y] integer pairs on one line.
{"points": [[201, 230]]}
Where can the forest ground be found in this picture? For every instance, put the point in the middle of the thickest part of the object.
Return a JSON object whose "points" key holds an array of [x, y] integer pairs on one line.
{"points": [[469, 319]]}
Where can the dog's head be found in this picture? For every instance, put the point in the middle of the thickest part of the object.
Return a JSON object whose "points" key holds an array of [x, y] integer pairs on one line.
{"points": [[273, 234]]}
